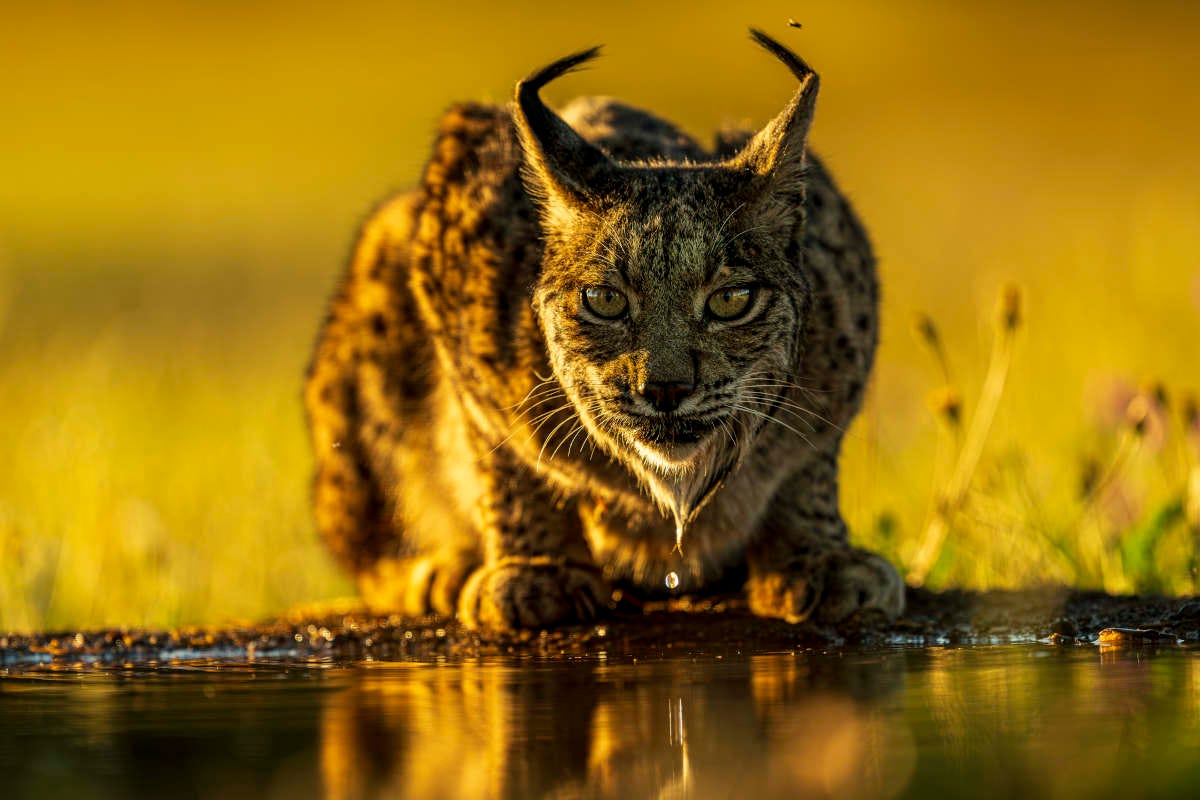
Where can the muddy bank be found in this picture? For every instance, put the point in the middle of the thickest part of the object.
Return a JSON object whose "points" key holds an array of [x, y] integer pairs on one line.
{"points": [[708, 627]]}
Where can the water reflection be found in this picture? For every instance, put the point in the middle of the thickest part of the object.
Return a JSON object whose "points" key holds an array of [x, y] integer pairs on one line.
{"points": [[773, 726], [992, 722], [973, 722]]}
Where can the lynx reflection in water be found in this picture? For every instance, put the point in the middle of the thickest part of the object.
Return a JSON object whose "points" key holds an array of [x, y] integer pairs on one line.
{"points": [[766, 726], [1023, 720], [943, 722]]}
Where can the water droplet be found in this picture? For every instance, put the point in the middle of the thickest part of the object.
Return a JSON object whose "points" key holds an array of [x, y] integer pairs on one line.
{"points": [[672, 580]]}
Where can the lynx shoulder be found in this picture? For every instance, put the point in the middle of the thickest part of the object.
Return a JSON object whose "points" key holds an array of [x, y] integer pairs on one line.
{"points": [[588, 350]]}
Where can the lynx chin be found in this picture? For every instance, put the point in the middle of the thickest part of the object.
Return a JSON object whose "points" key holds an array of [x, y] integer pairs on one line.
{"points": [[588, 350]]}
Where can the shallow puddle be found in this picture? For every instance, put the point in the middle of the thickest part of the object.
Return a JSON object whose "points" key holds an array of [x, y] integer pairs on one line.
{"points": [[1020, 720]]}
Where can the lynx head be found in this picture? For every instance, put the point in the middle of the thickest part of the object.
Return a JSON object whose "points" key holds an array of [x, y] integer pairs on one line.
{"points": [[671, 296]]}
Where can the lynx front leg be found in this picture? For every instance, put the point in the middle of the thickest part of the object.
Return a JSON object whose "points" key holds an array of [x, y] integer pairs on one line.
{"points": [[538, 570], [801, 564], [361, 522]]}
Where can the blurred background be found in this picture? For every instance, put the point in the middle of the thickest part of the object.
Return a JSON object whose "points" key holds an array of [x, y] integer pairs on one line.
{"points": [[180, 185]]}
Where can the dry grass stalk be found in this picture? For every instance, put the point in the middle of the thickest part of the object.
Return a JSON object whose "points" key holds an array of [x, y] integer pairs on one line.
{"points": [[952, 500]]}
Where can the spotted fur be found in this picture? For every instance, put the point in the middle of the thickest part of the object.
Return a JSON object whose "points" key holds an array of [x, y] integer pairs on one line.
{"points": [[489, 446]]}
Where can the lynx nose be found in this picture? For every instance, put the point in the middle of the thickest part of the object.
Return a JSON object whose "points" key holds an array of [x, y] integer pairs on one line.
{"points": [[666, 395]]}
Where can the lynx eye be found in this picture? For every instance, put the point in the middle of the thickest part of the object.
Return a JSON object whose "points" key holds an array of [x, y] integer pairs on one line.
{"points": [[730, 303], [605, 301]]}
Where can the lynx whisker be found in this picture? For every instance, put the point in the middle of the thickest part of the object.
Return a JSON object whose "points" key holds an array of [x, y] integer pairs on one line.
{"points": [[787, 408], [739, 235], [523, 415], [784, 400], [541, 385], [781, 423], [728, 432], [548, 439], [540, 420], [571, 432], [543, 419], [781, 383], [717, 237]]}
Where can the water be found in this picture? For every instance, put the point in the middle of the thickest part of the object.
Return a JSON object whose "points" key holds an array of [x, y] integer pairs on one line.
{"points": [[1026, 721]]}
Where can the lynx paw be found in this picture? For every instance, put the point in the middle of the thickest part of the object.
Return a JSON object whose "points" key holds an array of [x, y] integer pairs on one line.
{"points": [[791, 593], [830, 590], [416, 586], [531, 593], [858, 581]]}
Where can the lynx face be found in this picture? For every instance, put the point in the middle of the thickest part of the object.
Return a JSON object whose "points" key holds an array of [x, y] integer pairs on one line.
{"points": [[672, 322], [671, 296]]}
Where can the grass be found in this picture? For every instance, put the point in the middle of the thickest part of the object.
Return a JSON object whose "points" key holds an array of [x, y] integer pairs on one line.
{"points": [[165, 253], [160, 481], [1133, 524]]}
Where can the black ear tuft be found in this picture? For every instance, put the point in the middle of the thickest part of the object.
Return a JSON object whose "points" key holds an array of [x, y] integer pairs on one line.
{"points": [[529, 87], [778, 150], [796, 64], [561, 166]]}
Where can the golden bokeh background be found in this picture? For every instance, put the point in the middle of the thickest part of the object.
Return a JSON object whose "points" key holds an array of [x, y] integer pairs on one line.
{"points": [[180, 183]]}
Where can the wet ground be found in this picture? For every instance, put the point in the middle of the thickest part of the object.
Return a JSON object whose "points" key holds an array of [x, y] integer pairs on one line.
{"points": [[1043, 693], [713, 626]]}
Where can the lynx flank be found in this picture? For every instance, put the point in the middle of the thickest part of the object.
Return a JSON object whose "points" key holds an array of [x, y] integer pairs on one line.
{"points": [[587, 351]]}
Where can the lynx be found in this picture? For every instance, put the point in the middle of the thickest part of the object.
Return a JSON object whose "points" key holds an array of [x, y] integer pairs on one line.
{"points": [[585, 352]]}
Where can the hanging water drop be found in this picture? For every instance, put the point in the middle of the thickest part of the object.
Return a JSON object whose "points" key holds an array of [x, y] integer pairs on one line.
{"points": [[672, 580]]}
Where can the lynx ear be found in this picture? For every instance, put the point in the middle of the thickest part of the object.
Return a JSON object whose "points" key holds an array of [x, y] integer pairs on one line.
{"points": [[778, 150], [561, 167]]}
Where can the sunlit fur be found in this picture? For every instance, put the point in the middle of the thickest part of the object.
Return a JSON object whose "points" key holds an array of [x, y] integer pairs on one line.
{"points": [[484, 441]]}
